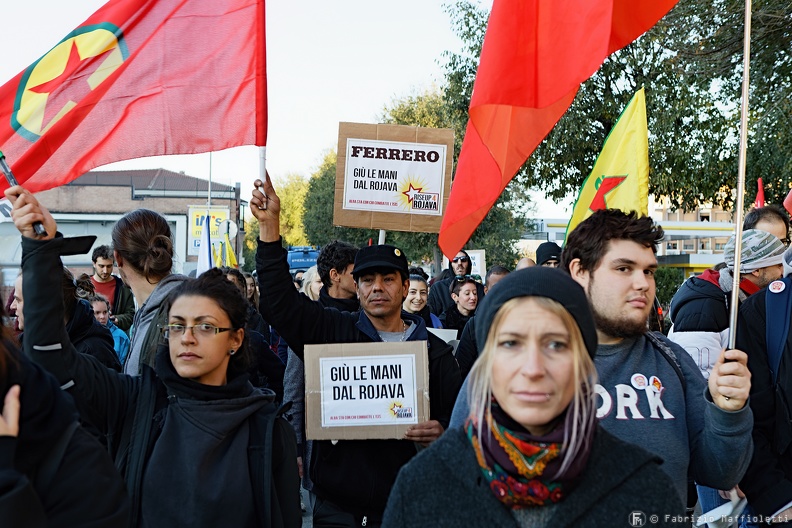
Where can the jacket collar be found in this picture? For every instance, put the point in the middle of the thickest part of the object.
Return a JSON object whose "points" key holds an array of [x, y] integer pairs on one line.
{"points": [[420, 333]]}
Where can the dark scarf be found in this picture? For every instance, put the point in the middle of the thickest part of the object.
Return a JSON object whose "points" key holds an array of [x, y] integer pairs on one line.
{"points": [[522, 469], [238, 385], [426, 315]]}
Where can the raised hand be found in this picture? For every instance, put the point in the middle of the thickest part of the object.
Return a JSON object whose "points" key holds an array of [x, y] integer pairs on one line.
{"points": [[27, 210], [265, 206], [730, 381]]}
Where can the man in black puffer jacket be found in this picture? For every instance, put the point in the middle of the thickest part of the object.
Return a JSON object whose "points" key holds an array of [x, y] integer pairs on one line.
{"points": [[352, 479]]}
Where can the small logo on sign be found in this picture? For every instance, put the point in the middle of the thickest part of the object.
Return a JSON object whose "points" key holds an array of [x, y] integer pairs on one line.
{"points": [[399, 411], [776, 286]]}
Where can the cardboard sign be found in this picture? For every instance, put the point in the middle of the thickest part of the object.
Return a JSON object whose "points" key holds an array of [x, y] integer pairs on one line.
{"points": [[392, 177], [365, 390]]}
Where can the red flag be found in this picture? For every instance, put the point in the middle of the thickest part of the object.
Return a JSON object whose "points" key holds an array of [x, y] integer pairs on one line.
{"points": [[759, 194], [535, 55], [138, 78]]}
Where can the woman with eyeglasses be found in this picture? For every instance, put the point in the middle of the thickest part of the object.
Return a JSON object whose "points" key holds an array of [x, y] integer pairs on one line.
{"points": [[415, 302], [464, 293], [439, 295], [531, 452], [195, 442]]}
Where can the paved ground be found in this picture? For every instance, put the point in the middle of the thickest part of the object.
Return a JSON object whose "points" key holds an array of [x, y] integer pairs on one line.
{"points": [[307, 520]]}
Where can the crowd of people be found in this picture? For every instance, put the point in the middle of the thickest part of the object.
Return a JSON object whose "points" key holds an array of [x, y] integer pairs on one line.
{"points": [[156, 399]]}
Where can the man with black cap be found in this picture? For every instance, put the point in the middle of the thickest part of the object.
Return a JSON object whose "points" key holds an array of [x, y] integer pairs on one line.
{"points": [[548, 254], [353, 478]]}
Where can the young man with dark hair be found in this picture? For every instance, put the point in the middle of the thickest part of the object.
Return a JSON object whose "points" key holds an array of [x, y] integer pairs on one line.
{"points": [[494, 274], [770, 218], [353, 478], [334, 265], [122, 305], [651, 393]]}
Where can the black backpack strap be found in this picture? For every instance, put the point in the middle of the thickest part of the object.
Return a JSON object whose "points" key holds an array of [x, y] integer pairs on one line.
{"points": [[658, 340], [49, 466], [778, 307], [261, 428]]}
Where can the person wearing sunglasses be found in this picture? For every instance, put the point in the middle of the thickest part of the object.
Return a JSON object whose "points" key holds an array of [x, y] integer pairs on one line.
{"points": [[195, 442], [440, 293]]}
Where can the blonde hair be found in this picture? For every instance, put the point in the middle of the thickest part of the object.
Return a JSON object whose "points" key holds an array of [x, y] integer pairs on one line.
{"points": [[308, 277], [580, 412]]}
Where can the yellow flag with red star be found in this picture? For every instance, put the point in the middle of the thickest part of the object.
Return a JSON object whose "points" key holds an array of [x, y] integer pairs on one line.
{"points": [[620, 177]]}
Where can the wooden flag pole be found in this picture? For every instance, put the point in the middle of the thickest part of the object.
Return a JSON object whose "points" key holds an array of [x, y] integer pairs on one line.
{"points": [[738, 213]]}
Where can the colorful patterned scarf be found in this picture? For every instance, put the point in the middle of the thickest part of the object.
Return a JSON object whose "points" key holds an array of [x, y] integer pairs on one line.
{"points": [[520, 468]]}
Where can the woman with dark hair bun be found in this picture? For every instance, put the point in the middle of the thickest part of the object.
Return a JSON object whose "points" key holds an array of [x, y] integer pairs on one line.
{"points": [[196, 443], [143, 252]]}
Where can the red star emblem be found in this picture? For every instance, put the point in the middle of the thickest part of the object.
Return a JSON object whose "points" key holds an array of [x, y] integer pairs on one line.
{"points": [[70, 86], [607, 184], [410, 193]]}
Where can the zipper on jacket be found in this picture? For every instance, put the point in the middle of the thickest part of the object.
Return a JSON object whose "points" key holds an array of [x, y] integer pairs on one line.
{"points": [[363, 523]]}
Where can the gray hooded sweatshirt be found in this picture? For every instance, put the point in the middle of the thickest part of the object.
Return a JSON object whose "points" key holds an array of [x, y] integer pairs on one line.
{"points": [[143, 319]]}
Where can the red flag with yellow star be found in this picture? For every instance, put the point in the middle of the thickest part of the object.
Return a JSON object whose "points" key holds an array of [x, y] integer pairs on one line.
{"points": [[534, 57], [620, 177], [138, 78]]}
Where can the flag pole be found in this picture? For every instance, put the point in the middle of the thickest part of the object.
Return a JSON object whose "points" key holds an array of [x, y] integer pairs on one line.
{"points": [[209, 191], [738, 214], [263, 163]]}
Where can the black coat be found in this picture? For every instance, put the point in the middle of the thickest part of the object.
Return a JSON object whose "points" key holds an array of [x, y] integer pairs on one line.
{"points": [[440, 295], [84, 490], [356, 475], [443, 487], [453, 319], [467, 351], [90, 337], [768, 481]]}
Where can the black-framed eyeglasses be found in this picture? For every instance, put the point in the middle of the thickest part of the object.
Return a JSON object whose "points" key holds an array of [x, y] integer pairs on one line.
{"points": [[175, 331], [460, 259]]}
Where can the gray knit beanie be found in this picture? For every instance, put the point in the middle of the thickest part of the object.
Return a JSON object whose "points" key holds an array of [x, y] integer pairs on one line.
{"points": [[538, 281], [759, 250]]}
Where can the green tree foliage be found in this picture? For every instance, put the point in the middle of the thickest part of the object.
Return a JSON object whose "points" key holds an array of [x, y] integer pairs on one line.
{"points": [[497, 233], [250, 244], [690, 65], [668, 280], [318, 217], [292, 191], [499, 230]]}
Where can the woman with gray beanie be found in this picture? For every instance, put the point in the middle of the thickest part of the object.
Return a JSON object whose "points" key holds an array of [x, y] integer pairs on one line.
{"points": [[531, 452]]}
